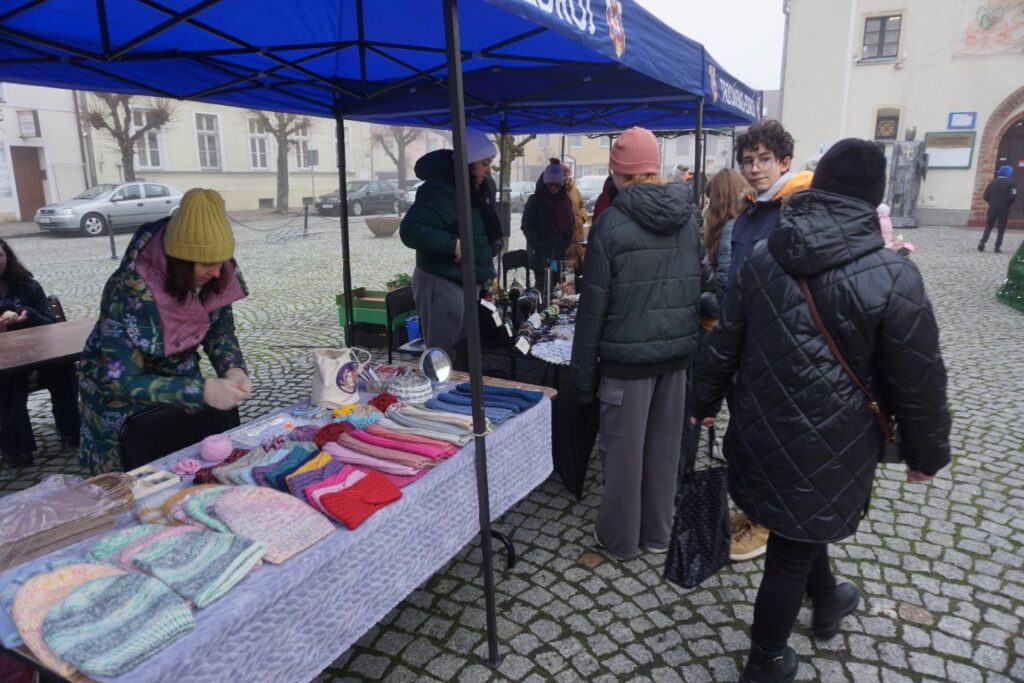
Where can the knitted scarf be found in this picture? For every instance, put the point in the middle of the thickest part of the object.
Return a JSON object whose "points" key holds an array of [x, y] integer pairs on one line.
{"points": [[562, 221]]}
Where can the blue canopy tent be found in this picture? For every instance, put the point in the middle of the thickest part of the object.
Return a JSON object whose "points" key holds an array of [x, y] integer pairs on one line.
{"points": [[506, 66]]}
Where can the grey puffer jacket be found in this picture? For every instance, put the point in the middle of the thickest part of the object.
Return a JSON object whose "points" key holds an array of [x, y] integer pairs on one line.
{"points": [[642, 280], [801, 444]]}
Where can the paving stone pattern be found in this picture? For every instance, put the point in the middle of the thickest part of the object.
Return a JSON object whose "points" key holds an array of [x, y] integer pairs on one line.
{"points": [[940, 565]]}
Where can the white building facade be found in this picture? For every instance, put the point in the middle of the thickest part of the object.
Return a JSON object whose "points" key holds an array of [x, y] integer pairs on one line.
{"points": [[951, 69]]}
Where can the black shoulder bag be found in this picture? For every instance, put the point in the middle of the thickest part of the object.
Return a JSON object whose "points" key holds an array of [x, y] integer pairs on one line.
{"points": [[886, 423]]}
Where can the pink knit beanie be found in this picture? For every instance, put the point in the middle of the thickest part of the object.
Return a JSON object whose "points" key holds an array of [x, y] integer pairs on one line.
{"points": [[634, 152], [284, 523]]}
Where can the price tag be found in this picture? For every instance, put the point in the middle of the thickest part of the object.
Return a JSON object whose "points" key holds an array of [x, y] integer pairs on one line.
{"points": [[534, 320], [508, 327], [488, 305], [523, 345], [496, 317]]}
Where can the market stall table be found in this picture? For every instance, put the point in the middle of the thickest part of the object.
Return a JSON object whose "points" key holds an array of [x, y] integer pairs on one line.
{"points": [[289, 622], [33, 347]]}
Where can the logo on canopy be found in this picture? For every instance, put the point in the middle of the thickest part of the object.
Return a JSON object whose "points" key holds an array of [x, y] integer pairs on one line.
{"points": [[613, 14], [731, 94], [713, 77]]}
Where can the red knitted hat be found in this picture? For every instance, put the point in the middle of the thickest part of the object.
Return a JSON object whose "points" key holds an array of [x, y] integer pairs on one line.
{"points": [[352, 506], [635, 151], [331, 432]]}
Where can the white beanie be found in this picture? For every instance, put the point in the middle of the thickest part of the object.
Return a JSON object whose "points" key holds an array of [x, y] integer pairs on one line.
{"points": [[479, 146]]}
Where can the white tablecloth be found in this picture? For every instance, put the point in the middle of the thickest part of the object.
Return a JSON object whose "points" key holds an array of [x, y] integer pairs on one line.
{"points": [[289, 622]]}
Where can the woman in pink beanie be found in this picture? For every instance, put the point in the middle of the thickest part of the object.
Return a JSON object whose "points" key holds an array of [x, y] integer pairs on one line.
{"points": [[636, 330]]}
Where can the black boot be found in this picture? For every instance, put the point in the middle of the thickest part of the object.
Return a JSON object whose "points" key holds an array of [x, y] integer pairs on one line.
{"points": [[981, 246], [770, 667], [17, 459], [830, 610]]}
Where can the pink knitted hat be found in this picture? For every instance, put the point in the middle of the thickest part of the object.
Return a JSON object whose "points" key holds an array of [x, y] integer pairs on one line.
{"points": [[635, 151], [284, 523]]}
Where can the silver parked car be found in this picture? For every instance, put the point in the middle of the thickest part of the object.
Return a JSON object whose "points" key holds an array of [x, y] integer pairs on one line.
{"points": [[125, 205]]}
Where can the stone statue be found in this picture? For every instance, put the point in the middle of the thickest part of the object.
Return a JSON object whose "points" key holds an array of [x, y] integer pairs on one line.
{"points": [[909, 167]]}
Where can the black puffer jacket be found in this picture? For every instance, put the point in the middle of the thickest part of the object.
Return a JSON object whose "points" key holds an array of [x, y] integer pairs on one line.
{"points": [[641, 283], [801, 444]]}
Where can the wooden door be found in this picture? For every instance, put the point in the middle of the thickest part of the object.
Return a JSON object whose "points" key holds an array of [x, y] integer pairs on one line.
{"points": [[28, 180], [1011, 153]]}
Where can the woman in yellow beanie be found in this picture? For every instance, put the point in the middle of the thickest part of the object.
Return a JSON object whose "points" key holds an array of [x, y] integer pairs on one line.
{"points": [[171, 294]]}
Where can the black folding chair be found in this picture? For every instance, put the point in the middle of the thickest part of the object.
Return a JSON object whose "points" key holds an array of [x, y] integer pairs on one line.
{"points": [[512, 260], [397, 302], [155, 432]]}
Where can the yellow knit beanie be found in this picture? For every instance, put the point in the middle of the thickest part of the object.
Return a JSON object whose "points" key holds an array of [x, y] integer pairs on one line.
{"points": [[199, 231]]}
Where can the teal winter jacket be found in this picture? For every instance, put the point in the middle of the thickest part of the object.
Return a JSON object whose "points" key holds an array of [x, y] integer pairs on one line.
{"points": [[431, 225]]}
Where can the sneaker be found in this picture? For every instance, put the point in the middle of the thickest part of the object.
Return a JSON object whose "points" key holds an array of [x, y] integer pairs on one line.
{"points": [[608, 553], [749, 540], [981, 246], [652, 549]]}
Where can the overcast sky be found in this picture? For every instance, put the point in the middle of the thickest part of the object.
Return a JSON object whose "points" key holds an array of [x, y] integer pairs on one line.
{"points": [[745, 36]]}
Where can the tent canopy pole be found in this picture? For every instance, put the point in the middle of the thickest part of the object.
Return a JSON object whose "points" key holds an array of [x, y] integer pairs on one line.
{"points": [[346, 262], [470, 297]]}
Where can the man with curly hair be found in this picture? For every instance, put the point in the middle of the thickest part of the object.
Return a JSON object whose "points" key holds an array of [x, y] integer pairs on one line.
{"points": [[765, 157]]}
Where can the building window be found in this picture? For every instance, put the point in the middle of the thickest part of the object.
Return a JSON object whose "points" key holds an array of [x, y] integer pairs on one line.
{"points": [[259, 145], [575, 141], [147, 148], [542, 140], [302, 138], [881, 37], [208, 141], [605, 141], [887, 125]]}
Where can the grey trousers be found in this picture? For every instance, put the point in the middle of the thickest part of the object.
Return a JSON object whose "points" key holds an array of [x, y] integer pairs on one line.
{"points": [[441, 311], [641, 432]]}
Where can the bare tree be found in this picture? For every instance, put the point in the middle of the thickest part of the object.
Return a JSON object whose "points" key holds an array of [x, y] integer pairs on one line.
{"points": [[399, 138], [281, 127], [510, 148], [113, 113]]}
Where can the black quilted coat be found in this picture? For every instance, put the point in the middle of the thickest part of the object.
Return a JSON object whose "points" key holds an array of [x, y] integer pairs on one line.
{"points": [[642, 282], [801, 444]]}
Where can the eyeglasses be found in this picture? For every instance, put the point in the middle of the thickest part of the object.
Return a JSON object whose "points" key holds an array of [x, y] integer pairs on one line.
{"points": [[762, 163]]}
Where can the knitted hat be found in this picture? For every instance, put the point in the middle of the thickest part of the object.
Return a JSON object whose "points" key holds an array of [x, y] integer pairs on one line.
{"points": [[353, 505], [35, 598], [200, 566], [554, 173], [285, 524], [199, 231], [1005, 171], [331, 432], [634, 152], [852, 167], [479, 146], [109, 625]]}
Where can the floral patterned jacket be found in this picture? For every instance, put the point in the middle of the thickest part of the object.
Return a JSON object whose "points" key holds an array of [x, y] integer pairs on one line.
{"points": [[124, 367]]}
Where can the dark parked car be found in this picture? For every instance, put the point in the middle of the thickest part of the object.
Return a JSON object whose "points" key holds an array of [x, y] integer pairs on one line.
{"points": [[126, 205], [364, 196], [519, 192], [409, 196]]}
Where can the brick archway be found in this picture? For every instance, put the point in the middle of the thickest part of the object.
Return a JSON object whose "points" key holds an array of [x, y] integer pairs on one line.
{"points": [[1005, 115]]}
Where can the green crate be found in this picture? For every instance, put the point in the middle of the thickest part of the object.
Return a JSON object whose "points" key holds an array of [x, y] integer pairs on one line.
{"points": [[367, 307]]}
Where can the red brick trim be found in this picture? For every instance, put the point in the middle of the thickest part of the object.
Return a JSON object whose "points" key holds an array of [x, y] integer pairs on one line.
{"points": [[1003, 116]]}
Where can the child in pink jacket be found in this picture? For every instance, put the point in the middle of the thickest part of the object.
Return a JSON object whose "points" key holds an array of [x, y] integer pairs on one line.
{"points": [[896, 244]]}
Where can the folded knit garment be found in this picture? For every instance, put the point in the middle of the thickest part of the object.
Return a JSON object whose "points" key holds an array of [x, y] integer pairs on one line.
{"points": [[353, 505], [301, 453], [342, 479], [525, 397], [303, 433], [107, 548], [245, 476], [466, 398], [313, 472], [109, 625], [330, 432], [286, 525], [448, 403], [393, 454], [424, 413], [200, 566], [424, 432], [360, 415], [38, 595], [446, 448], [205, 475], [351, 457], [223, 472], [437, 426], [434, 453], [197, 507]]}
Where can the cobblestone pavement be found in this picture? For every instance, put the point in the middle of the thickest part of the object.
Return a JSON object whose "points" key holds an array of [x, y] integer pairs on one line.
{"points": [[941, 565]]}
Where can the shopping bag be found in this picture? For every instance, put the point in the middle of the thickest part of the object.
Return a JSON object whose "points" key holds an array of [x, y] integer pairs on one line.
{"points": [[336, 376], [699, 545]]}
